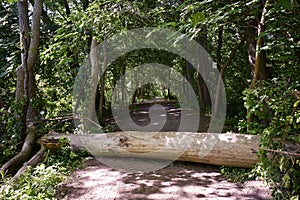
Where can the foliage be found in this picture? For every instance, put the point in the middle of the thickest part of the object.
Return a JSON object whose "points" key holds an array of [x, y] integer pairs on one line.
{"points": [[239, 175], [40, 184], [65, 156], [10, 140], [9, 40], [41, 181], [276, 119]]}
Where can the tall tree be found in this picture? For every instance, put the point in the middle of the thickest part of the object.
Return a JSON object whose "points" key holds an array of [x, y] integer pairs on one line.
{"points": [[26, 84]]}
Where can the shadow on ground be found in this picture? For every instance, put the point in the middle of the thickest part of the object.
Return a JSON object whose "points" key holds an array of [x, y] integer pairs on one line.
{"points": [[180, 180], [139, 114]]}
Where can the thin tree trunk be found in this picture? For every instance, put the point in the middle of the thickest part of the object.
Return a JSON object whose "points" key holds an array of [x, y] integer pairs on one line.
{"points": [[250, 35], [222, 72], [102, 82], [67, 8], [136, 80], [219, 49], [203, 92], [94, 57], [123, 95], [258, 55], [260, 58], [32, 112], [52, 26], [22, 72], [190, 79]]}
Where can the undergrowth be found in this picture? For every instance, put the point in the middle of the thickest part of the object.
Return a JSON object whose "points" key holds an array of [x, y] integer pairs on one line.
{"points": [[238, 175], [41, 182]]}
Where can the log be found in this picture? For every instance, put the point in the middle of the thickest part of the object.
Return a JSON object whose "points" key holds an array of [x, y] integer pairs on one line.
{"points": [[226, 149]]}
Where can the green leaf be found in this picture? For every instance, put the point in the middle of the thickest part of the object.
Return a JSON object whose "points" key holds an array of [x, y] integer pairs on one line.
{"points": [[12, 1], [287, 4], [197, 17], [296, 104]]}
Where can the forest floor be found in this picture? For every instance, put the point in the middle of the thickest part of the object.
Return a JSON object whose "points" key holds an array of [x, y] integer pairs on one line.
{"points": [[180, 180]]}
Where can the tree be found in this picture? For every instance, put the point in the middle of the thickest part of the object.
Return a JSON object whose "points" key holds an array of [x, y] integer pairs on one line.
{"points": [[26, 85]]}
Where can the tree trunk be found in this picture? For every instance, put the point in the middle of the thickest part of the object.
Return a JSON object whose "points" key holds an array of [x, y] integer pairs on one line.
{"points": [[36, 159], [219, 49], [32, 112], [228, 149], [259, 57], [22, 70], [222, 72], [203, 92], [67, 8], [190, 79], [90, 112], [123, 87], [102, 82], [136, 80], [25, 89], [250, 35], [16, 162]]}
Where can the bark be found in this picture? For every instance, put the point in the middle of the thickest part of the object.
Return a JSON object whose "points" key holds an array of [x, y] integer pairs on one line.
{"points": [[250, 36], [94, 57], [46, 19], [22, 72], [32, 112], [67, 8], [203, 92], [13, 164], [36, 159], [228, 149], [259, 57], [190, 79], [136, 80], [219, 49], [25, 89], [123, 87], [102, 82]]}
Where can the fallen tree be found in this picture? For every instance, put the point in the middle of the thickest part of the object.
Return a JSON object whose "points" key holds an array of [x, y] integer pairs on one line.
{"points": [[227, 149]]}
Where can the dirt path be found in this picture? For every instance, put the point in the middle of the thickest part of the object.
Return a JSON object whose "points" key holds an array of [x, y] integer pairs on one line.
{"points": [[178, 181], [140, 116]]}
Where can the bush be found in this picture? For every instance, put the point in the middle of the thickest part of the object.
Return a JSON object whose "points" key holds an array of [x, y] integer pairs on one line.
{"points": [[41, 181], [276, 118]]}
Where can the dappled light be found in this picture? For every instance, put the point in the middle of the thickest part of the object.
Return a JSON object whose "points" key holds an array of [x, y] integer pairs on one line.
{"points": [[177, 181]]}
